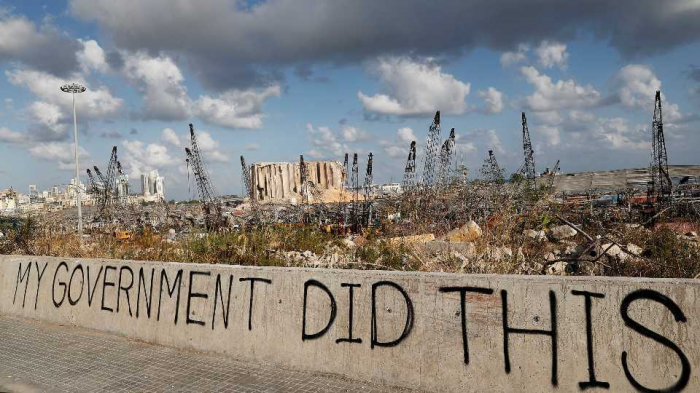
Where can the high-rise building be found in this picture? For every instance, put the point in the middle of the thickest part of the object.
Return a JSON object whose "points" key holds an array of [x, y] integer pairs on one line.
{"points": [[156, 182], [123, 186], [145, 185], [71, 189], [152, 185], [33, 191]]}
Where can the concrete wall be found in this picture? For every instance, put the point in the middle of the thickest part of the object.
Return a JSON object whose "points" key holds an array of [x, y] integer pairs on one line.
{"points": [[511, 333], [619, 179]]}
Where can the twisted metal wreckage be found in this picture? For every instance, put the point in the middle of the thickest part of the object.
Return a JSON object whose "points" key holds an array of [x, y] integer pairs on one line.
{"points": [[440, 196]]}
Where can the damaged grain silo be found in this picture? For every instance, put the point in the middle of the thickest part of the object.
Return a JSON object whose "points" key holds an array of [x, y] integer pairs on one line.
{"points": [[282, 181]]}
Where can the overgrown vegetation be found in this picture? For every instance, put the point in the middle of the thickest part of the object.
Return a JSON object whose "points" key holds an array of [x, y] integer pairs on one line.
{"points": [[479, 227], [261, 247], [502, 248]]}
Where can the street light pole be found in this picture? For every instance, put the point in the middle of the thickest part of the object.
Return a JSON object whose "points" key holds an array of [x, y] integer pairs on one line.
{"points": [[74, 88]]}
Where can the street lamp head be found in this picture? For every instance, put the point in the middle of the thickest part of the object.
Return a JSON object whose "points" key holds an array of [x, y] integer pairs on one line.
{"points": [[73, 88]]}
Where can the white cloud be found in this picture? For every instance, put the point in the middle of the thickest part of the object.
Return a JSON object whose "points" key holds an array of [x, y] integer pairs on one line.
{"points": [[140, 158], [395, 151], [92, 57], [315, 154], [236, 108], [551, 118], [165, 96], [550, 54], [471, 148], [399, 148], [17, 33], [617, 134], [412, 88], [325, 143], [636, 87], [7, 135], [170, 136], [509, 59], [50, 116], [479, 140], [217, 156], [52, 151], [354, 134], [494, 141], [551, 133], [493, 100], [465, 147], [161, 83], [569, 129], [251, 146], [581, 116], [62, 153], [563, 94], [94, 103], [405, 135], [42, 47], [210, 147], [207, 145]]}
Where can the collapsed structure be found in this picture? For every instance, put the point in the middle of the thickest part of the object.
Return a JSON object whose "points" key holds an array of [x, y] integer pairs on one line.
{"points": [[528, 167], [332, 194], [660, 180], [282, 181], [211, 204], [432, 151]]}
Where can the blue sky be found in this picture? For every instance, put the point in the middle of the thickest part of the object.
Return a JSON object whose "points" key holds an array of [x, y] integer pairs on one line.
{"points": [[273, 80]]}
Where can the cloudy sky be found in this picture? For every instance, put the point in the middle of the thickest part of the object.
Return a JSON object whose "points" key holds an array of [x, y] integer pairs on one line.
{"points": [[274, 79]]}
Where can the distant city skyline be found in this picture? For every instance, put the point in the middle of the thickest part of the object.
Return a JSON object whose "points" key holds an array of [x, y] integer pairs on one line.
{"points": [[13, 200], [270, 82]]}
